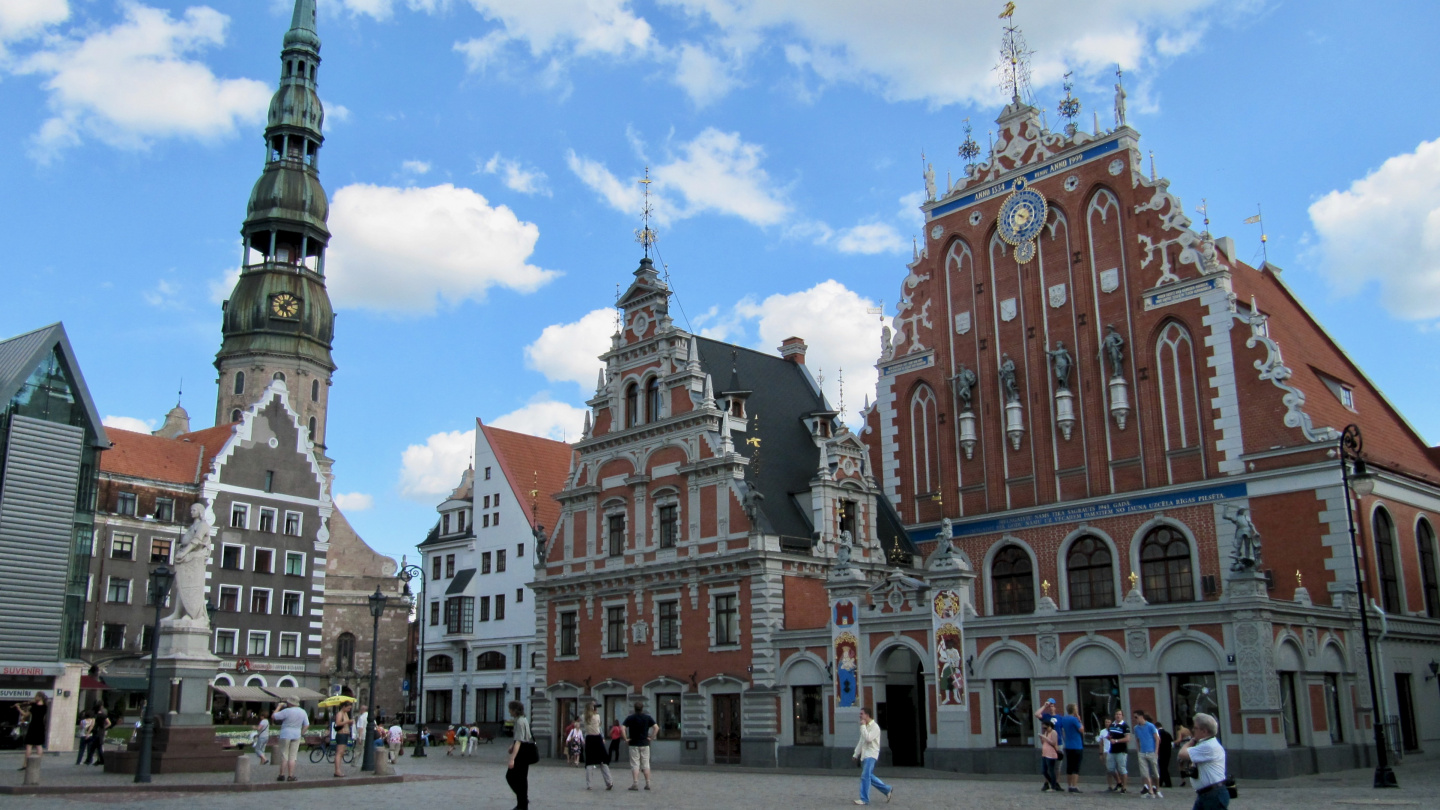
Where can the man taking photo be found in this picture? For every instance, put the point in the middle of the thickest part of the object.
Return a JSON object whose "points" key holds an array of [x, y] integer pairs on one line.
{"points": [[1204, 752]]}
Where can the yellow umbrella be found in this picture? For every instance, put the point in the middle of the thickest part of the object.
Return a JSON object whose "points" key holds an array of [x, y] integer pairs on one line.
{"points": [[337, 700]]}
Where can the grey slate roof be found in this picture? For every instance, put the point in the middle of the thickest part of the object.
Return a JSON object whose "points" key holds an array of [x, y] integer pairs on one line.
{"points": [[19, 357], [781, 396]]}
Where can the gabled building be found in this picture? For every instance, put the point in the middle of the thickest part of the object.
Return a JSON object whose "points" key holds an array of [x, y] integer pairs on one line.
{"points": [[479, 621], [50, 443], [712, 489]]}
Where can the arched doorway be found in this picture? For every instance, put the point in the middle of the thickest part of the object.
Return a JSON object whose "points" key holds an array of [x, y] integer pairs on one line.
{"points": [[902, 716]]}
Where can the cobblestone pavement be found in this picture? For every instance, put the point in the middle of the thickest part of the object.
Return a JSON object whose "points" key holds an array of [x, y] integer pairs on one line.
{"points": [[478, 782]]}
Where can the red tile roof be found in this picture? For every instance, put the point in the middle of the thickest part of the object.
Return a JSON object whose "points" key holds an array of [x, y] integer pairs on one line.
{"points": [[181, 460], [531, 462]]}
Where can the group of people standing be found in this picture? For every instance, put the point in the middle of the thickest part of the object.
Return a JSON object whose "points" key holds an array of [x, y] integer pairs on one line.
{"points": [[591, 748], [1063, 737]]}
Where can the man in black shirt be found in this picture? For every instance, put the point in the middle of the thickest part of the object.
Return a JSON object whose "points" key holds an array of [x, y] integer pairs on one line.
{"points": [[1118, 765], [640, 729]]}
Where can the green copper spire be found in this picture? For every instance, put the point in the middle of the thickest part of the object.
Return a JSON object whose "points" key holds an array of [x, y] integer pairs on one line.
{"points": [[278, 320]]}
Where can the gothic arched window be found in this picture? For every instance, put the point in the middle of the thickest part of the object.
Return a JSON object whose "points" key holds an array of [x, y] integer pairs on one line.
{"points": [[345, 652], [1387, 566], [490, 660], [1090, 574], [632, 405], [1012, 581], [239, 382], [235, 415], [1429, 576], [440, 663], [924, 442], [314, 390], [652, 399], [1165, 566]]}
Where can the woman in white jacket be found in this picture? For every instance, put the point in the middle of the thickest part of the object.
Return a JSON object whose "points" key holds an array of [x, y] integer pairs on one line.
{"points": [[867, 750]]}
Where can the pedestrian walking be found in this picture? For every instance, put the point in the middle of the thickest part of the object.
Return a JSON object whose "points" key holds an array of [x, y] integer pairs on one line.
{"points": [[87, 722], [617, 732], [867, 752], [361, 727], [574, 743], [450, 741], [1207, 755], [97, 736], [1147, 743], [395, 739], [37, 727], [262, 739], [1049, 754], [640, 729], [1072, 740], [522, 755], [1118, 763], [344, 737], [292, 720], [1182, 736], [472, 738], [595, 754], [1165, 749]]}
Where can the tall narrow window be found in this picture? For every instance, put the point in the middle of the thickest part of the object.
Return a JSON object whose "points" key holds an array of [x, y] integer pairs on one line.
{"points": [[1165, 566], [239, 382], [615, 630], [727, 621], [314, 390], [345, 652], [669, 522], [567, 634], [667, 635], [1090, 574], [632, 405], [1013, 582], [617, 535], [310, 428], [652, 399], [1387, 568], [1429, 577], [924, 447]]}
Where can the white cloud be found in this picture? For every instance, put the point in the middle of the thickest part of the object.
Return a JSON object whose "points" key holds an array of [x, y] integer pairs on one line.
{"points": [[715, 172], [571, 351], [515, 176], [431, 470], [895, 47], [164, 295], [409, 249], [870, 238], [704, 76], [548, 418], [221, 287], [131, 84], [1386, 229], [479, 52], [383, 9], [130, 423], [581, 26], [20, 19], [354, 501], [415, 166]]}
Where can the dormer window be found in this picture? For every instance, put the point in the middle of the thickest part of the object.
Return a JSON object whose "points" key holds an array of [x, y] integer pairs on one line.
{"points": [[1342, 391]]}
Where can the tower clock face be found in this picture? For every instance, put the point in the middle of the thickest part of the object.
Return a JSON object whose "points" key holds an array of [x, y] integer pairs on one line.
{"points": [[285, 305]]}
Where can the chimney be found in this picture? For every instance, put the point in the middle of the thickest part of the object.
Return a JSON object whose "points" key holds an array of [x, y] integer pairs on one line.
{"points": [[793, 349]]}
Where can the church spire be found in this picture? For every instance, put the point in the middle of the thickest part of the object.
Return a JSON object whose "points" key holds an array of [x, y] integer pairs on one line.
{"points": [[278, 322]]}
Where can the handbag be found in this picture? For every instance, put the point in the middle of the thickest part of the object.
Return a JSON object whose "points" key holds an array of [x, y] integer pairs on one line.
{"points": [[529, 754]]}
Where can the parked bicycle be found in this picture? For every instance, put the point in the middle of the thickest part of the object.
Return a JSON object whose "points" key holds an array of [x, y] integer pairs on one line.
{"points": [[326, 751]]}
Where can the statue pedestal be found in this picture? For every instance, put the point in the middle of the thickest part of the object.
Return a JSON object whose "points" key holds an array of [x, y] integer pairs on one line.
{"points": [[184, 740]]}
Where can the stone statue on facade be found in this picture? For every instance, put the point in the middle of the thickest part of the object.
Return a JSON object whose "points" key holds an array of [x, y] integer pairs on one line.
{"points": [[1007, 379], [964, 383], [1245, 553], [1113, 346], [843, 551], [930, 181], [540, 540], [1119, 105], [191, 557], [1062, 363]]}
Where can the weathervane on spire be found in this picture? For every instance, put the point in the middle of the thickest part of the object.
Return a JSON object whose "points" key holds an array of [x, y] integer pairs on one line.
{"points": [[969, 149], [645, 235], [1014, 64], [1069, 106]]}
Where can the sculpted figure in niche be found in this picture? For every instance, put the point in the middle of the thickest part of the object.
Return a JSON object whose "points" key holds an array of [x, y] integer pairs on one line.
{"points": [[843, 551], [1060, 359], [1113, 347], [964, 383], [1007, 379], [1245, 554], [191, 557]]}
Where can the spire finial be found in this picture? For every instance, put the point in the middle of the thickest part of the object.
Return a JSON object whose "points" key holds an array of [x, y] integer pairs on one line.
{"points": [[1014, 63], [1259, 219], [969, 150], [646, 235], [1153, 176], [1205, 214], [180, 394], [1069, 106], [842, 393]]}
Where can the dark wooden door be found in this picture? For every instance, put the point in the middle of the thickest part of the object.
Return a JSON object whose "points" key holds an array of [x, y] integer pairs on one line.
{"points": [[902, 729], [1405, 705], [727, 729]]}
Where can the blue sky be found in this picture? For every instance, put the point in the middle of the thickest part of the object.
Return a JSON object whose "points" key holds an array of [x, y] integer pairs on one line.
{"points": [[481, 158]]}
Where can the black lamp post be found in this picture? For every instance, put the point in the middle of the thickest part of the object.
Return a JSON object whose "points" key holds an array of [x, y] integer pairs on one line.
{"points": [[407, 573], [160, 579], [377, 608], [1360, 482]]}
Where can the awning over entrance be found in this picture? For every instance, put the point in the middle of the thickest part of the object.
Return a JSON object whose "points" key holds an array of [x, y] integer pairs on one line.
{"points": [[244, 693], [294, 693], [125, 683], [92, 682]]}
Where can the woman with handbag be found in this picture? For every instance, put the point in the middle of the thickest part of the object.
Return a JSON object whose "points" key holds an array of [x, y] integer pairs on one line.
{"points": [[595, 753], [37, 729], [523, 754]]}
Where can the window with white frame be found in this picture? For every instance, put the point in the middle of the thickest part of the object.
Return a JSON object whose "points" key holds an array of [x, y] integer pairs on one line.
{"points": [[122, 547], [485, 563], [295, 563], [500, 561], [260, 600], [667, 624], [225, 641], [289, 645], [263, 560], [229, 598], [112, 637], [499, 607], [268, 519], [160, 549], [292, 603], [258, 643], [567, 638], [239, 516], [615, 630], [726, 619], [125, 503], [165, 509], [232, 557], [292, 523], [117, 591], [667, 524]]}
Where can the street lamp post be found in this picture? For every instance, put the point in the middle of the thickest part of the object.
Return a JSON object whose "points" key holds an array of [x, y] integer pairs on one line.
{"points": [[377, 608], [407, 573], [1361, 483], [161, 578]]}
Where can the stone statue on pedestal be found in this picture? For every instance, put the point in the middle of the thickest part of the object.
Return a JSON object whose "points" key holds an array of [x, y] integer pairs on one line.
{"points": [[964, 382], [1245, 554], [1114, 348], [1060, 358], [191, 557]]}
